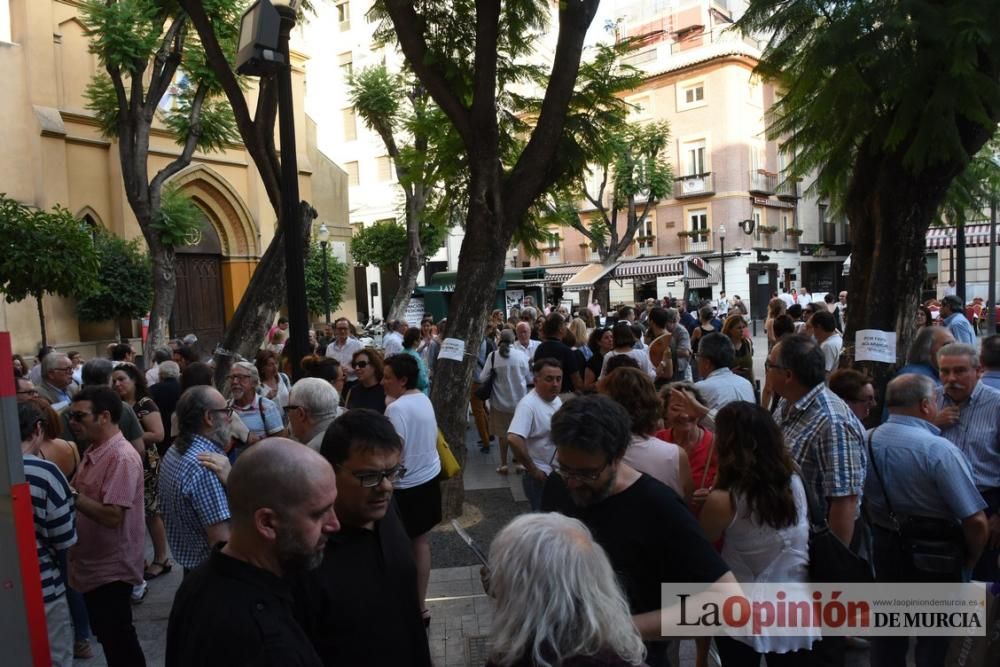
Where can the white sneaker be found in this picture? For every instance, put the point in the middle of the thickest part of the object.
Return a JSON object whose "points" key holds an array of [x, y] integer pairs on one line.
{"points": [[139, 593]]}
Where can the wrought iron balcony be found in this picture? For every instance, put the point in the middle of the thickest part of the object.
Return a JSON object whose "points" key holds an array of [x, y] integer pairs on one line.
{"points": [[696, 185], [762, 182]]}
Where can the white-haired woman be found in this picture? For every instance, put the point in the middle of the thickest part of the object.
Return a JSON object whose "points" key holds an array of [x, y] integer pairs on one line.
{"points": [[572, 614]]}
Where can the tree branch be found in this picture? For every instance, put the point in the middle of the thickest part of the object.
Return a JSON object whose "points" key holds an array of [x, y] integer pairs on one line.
{"points": [[168, 57], [521, 186], [409, 26], [484, 83], [190, 142], [264, 159]]}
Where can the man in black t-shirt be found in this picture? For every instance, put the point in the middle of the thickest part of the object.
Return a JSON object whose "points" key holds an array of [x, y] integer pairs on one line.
{"points": [[554, 348], [648, 532]]}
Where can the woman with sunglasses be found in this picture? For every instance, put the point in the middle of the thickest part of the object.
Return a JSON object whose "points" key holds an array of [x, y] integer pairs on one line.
{"points": [[131, 387], [367, 392]]}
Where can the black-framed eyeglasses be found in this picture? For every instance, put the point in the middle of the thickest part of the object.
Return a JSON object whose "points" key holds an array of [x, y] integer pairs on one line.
{"points": [[768, 366], [240, 378], [288, 408], [578, 475], [28, 392], [228, 410], [78, 416], [372, 479]]}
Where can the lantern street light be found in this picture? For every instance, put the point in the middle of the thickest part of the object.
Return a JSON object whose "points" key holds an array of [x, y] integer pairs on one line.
{"points": [[263, 51], [324, 239]]}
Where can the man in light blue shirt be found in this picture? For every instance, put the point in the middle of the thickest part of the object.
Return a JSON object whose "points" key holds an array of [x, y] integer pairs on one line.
{"points": [[721, 386], [926, 476], [989, 359], [952, 310], [969, 417]]}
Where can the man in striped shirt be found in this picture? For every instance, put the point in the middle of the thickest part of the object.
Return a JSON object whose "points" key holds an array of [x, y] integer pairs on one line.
{"points": [[55, 531], [969, 416]]}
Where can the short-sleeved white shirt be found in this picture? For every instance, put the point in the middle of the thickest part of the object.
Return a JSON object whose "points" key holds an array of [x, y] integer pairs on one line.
{"points": [[533, 422], [412, 415]]}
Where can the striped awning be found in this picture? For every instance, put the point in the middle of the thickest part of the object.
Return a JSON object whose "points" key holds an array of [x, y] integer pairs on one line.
{"points": [[649, 267], [585, 278], [946, 237], [562, 273]]}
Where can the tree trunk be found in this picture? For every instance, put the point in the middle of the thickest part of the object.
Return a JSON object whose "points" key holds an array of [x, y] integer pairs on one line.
{"points": [[890, 211], [41, 318], [264, 296], [415, 256], [480, 268], [602, 292], [164, 293]]}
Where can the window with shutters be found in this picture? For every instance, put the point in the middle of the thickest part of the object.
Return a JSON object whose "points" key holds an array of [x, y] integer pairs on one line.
{"points": [[350, 125], [383, 169], [352, 173], [346, 63]]}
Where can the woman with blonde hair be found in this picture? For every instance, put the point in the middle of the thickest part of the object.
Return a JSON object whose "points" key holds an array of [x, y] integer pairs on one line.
{"points": [[775, 309], [558, 601]]}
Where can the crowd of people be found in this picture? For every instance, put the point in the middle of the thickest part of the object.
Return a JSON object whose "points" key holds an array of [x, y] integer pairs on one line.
{"points": [[299, 513]]}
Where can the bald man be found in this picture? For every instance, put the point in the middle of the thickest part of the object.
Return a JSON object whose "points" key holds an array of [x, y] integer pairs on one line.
{"points": [[236, 609]]}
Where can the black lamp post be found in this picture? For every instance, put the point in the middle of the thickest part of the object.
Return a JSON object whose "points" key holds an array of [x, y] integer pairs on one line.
{"points": [[263, 51], [722, 245], [324, 239]]}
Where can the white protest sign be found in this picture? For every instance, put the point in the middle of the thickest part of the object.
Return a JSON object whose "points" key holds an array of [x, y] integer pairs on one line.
{"points": [[875, 345], [414, 312], [452, 348]]}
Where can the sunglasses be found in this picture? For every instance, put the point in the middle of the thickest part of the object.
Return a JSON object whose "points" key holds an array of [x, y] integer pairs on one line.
{"points": [[360, 364]]}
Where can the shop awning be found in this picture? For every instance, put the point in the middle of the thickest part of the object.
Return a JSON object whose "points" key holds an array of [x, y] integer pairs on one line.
{"points": [[649, 267], [585, 278], [562, 273], [947, 237], [444, 281]]}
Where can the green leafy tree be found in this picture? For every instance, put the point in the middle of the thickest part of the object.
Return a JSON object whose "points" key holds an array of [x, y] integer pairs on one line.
{"points": [[630, 163], [337, 280], [44, 252], [470, 58], [399, 110], [385, 244], [886, 102], [124, 286], [145, 46]]}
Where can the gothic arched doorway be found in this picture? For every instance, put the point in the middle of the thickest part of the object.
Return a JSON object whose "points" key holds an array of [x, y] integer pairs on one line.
{"points": [[198, 306]]}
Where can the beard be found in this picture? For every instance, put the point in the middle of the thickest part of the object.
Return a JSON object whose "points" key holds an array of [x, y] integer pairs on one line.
{"points": [[295, 555], [221, 433], [586, 496]]}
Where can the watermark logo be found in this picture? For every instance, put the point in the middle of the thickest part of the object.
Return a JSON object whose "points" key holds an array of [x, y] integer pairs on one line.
{"points": [[818, 610]]}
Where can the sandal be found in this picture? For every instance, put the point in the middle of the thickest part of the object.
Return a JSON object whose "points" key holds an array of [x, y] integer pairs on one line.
{"points": [[502, 470], [165, 566]]}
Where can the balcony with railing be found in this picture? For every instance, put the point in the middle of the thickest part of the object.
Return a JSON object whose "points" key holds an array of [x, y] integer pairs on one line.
{"points": [[762, 182], [695, 185], [788, 189], [696, 241]]}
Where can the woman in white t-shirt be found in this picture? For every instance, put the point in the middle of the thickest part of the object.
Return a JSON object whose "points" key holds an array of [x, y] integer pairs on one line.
{"points": [[665, 461], [418, 494], [624, 340], [513, 374], [759, 506]]}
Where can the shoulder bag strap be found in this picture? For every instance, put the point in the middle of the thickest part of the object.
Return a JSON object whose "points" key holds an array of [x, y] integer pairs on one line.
{"points": [[878, 475]]}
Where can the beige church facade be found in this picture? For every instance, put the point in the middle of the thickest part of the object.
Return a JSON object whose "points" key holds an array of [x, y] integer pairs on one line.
{"points": [[54, 154]]}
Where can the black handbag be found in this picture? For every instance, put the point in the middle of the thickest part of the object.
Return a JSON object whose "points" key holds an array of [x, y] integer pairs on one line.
{"points": [[485, 390], [830, 560], [932, 545]]}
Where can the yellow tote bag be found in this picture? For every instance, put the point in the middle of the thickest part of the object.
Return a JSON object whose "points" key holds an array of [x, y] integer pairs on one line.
{"points": [[449, 464]]}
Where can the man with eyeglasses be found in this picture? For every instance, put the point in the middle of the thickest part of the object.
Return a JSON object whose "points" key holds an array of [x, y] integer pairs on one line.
{"points": [[261, 416], [192, 498], [370, 559], [57, 385], [312, 407], [26, 390], [343, 347], [648, 532], [107, 561]]}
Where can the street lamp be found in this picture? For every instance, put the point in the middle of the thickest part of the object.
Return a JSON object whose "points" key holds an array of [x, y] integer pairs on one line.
{"points": [[263, 51], [722, 245], [324, 238]]}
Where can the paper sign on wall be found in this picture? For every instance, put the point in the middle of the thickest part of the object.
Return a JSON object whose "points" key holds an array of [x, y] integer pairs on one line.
{"points": [[875, 345], [452, 348]]}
